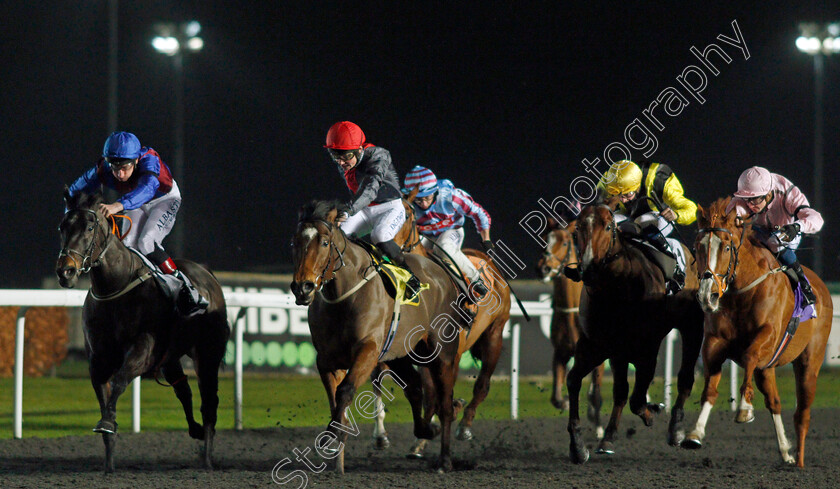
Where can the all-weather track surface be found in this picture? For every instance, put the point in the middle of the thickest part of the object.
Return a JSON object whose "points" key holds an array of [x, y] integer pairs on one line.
{"points": [[531, 453]]}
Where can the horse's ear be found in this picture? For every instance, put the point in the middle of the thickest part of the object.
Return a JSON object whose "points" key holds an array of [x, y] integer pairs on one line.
{"points": [[552, 224], [612, 202], [412, 195], [701, 212], [572, 226], [67, 197]]}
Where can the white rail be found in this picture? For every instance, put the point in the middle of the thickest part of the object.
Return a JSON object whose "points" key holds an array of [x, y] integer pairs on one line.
{"points": [[75, 298]]}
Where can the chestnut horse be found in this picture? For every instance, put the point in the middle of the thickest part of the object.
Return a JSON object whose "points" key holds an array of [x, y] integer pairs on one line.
{"points": [[559, 252], [350, 313], [748, 306], [625, 314], [483, 338], [132, 329]]}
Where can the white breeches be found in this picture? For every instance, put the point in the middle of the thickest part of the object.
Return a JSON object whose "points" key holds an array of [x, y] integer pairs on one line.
{"points": [[450, 242], [382, 221], [152, 221]]}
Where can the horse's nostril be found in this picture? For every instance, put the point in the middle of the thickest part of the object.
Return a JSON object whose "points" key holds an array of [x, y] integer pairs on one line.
{"points": [[546, 270], [307, 287], [707, 274]]}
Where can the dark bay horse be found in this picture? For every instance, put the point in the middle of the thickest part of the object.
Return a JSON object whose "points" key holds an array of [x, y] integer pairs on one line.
{"points": [[483, 339], [559, 252], [748, 306], [349, 316], [624, 315], [132, 329]]}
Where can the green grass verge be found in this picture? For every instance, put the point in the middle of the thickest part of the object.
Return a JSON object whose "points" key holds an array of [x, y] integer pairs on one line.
{"points": [[66, 405]]}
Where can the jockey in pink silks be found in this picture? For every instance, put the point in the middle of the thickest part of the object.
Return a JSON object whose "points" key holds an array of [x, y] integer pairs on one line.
{"points": [[780, 215]]}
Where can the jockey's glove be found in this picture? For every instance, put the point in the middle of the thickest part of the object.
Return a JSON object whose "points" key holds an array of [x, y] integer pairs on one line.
{"points": [[488, 245], [789, 231]]}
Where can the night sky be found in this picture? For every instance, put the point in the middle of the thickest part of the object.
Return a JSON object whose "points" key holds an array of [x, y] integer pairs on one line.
{"points": [[505, 99]]}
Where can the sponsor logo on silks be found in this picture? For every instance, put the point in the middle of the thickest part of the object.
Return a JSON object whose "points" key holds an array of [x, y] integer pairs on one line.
{"points": [[165, 219]]}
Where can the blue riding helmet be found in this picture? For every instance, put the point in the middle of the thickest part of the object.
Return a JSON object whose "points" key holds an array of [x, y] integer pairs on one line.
{"points": [[121, 145]]}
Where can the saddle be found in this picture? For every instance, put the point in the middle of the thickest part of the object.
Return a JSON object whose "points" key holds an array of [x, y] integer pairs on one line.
{"points": [[393, 277], [169, 284], [636, 238]]}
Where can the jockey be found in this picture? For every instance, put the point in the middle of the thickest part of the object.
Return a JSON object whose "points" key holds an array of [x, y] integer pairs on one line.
{"points": [[149, 197], [774, 203], [376, 207], [652, 196], [440, 209]]}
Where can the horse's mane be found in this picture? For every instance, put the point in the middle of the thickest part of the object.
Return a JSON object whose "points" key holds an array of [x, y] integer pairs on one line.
{"points": [[82, 200], [317, 210]]}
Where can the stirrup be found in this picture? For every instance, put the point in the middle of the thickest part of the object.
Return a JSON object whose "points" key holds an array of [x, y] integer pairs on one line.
{"points": [[412, 288], [480, 288]]}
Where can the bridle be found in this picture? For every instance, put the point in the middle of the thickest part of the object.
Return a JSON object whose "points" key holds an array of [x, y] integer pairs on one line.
{"points": [[723, 280], [87, 257], [331, 261], [565, 261]]}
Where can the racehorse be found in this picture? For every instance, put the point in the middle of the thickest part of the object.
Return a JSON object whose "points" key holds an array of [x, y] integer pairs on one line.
{"points": [[625, 314], [349, 316], [132, 329], [483, 339], [559, 252], [748, 305]]}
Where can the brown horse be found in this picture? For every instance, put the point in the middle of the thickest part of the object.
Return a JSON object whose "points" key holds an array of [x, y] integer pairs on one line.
{"points": [[483, 339], [132, 329], [559, 252], [625, 314], [748, 306], [349, 316]]}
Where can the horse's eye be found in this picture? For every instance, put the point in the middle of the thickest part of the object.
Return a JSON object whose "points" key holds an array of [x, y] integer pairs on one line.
{"points": [[608, 228], [90, 228], [325, 243], [726, 248]]}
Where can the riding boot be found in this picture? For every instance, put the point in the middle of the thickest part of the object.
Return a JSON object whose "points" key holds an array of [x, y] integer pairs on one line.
{"points": [[189, 301], [676, 283], [391, 250], [810, 298]]}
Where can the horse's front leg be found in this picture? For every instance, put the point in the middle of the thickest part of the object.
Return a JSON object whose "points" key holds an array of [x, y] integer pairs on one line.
{"points": [[593, 412], [621, 389], [692, 340], [100, 373], [444, 372], [585, 360], [714, 354], [380, 435], [564, 347], [490, 348], [429, 410], [364, 360], [766, 382], [137, 360], [749, 359]]}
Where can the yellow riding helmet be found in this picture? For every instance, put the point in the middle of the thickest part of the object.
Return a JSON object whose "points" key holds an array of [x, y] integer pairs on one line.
{"points": [[623, 177]]}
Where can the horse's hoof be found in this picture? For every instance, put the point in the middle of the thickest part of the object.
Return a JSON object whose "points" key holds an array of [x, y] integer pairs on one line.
{"points": [[463, 433], [560, 404], [197, 431], [656, 407], [579, 457], [381, 442], [676, 438], [444, 465], [691, 443], [605, 448], [414, 455], [104, 426], [745, 416]]}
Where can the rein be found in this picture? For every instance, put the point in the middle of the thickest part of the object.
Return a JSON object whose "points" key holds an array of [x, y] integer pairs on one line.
{"points": [[331, 267]]}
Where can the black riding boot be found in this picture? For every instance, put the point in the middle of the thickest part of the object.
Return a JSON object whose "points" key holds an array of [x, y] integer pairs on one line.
{"points": [[394, 253], [810, 298], [189, 301], [677, 281]]}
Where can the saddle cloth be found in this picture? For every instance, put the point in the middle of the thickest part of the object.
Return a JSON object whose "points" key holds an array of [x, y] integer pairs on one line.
{"points": [[169, 284], [393, 277]]}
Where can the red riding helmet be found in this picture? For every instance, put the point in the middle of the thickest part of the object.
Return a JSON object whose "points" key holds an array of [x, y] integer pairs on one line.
{"points": [[345, 135]]}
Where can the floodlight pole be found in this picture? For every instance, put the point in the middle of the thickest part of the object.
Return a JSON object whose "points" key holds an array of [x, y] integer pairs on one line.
{"points": [[819, 82]]}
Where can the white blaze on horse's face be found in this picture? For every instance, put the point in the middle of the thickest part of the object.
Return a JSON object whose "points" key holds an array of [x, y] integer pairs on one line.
{"points": [[549, 251], [709, 300]]}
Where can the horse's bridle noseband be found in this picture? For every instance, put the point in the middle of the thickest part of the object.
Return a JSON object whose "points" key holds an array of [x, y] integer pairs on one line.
{"points": [[723, 281], [87, 258], [565, 261], [321, 280]]}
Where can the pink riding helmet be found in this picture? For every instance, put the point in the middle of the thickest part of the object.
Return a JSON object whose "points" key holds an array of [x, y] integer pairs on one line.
{"points": [[754, 182]]}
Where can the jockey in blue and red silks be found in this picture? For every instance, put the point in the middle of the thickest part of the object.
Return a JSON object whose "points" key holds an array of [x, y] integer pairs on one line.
{"points": [[376, 207], [149, 197], [441, 210]]}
